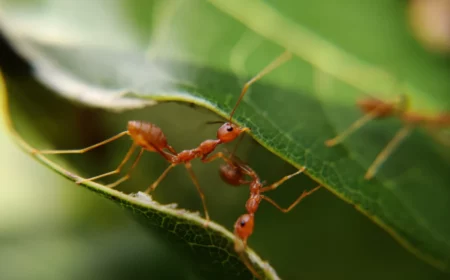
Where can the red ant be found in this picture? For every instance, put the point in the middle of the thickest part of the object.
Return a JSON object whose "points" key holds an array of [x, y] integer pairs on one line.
{"points": [[233, 173], [377, 109], [149, 137]]}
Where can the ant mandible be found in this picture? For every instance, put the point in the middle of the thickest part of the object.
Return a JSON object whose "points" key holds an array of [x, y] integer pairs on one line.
{"points": [[373, 108], [233, 172], [149, 137]]}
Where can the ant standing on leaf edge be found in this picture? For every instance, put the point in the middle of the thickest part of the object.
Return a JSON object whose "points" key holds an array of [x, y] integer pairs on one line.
{"points": [[237, 173], [376, 109], [149, 137]]}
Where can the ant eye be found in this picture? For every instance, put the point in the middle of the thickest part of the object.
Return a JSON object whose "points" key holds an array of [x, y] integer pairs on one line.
{"points": [[243, 223], [228, 132]]}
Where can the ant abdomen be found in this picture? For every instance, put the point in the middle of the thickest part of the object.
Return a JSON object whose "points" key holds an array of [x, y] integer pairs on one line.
{"points": [[147, 135], [231, 174]]}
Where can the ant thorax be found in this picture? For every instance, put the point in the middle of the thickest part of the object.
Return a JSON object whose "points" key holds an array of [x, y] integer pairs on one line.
{"points": [[253, 203], [255, 186]]}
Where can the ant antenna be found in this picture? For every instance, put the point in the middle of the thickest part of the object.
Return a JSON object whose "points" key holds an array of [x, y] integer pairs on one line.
{"points": [[237, 144], [269, 68], [352, 128], [214, 122], [247, 262]]}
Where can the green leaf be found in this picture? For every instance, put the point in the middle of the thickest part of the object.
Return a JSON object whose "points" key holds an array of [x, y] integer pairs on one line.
{"points": [[175, 55]]}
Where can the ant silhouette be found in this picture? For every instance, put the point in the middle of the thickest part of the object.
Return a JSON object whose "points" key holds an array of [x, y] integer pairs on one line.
{"points": [[374, 108], [233, 172], [149, 137]]}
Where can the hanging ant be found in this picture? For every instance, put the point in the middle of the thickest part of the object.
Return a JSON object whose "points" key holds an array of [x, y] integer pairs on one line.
{"points": [[149, 137], [373, 108], [233, 173]]}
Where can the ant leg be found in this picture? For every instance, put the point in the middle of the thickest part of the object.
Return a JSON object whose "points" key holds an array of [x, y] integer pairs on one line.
{"points": [[239, 247], [240, 52], [244, 167], [269, 68], [161, 177], [115, 171], [128, 175], [297, 201], [281, 181], [237, 144], [240, 250], [171, 149], [197, 185], [352, 128], [387, 151], [84, 150], [241, 165], [216, 156]]}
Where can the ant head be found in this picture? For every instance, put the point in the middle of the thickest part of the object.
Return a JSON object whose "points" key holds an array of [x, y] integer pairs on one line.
{"points": [[229, 131], [243, 227], [230, 174]]}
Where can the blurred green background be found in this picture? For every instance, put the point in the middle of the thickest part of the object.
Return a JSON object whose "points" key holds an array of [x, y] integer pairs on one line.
{"points": [[52, 229]]}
